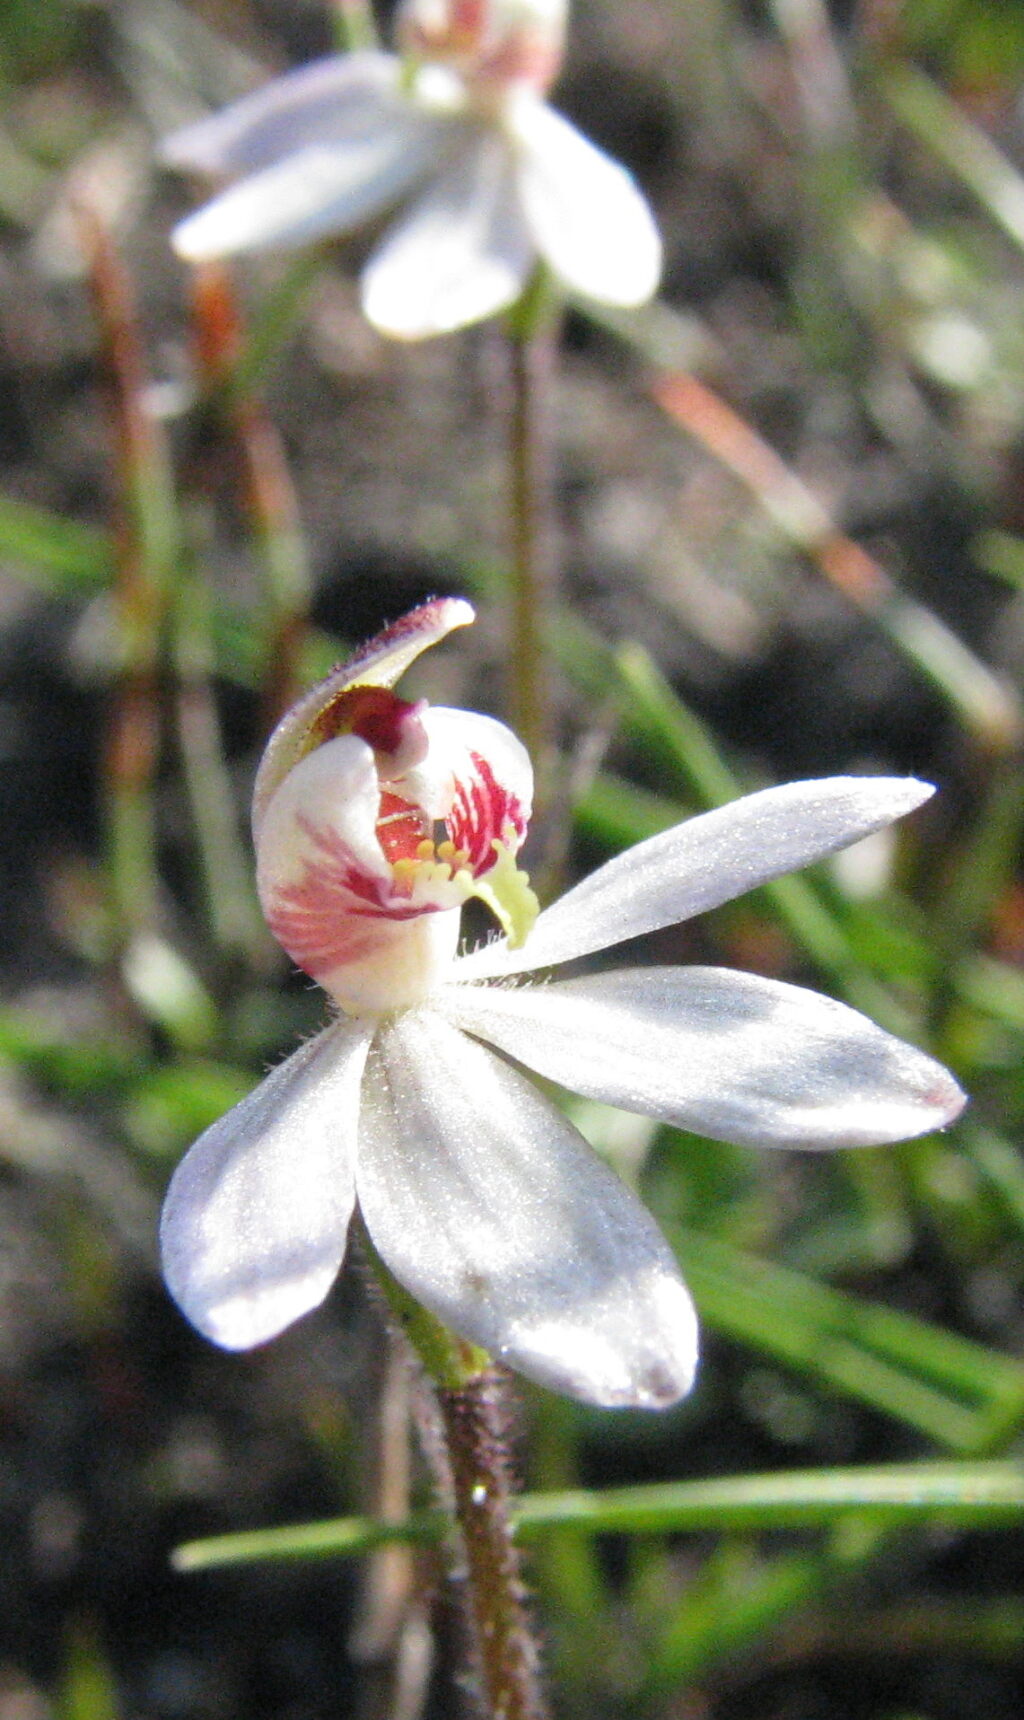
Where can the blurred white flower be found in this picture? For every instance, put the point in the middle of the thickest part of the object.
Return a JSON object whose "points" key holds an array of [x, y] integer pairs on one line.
{"points": [[374, 820], [458, 127]]}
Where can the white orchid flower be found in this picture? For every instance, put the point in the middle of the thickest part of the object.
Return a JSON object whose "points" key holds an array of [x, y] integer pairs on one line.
{"points": [[458, 128], [374, 821]]}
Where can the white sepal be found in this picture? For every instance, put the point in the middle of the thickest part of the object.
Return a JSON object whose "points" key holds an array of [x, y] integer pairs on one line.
{"points": [[730, 1055], [310, 192], [493, 1211], [338, 99], [461, 253], [378, 663], [701, 864], [254, 1223], [589, 221]]}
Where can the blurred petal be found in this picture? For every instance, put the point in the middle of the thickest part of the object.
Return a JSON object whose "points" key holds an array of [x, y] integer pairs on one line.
{"points": [[589, 221], [310, 192], [339, 99], [498, 1217], [724, 1054], [378, 663], [493, 45], [253, 1227], [700, 864], [462, 252]]}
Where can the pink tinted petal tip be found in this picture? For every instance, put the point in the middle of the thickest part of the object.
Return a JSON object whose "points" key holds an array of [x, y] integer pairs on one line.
{"points": [[378, 663]]}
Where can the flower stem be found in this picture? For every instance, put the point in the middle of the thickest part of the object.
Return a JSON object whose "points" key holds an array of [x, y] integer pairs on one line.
{"points": [[474, 1426], [473, 1471], [354, 26], [147, 551], [530, 354]]}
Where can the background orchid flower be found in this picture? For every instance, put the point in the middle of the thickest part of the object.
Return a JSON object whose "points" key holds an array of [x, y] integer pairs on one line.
{"points": [[495, 179], [374, 821]]}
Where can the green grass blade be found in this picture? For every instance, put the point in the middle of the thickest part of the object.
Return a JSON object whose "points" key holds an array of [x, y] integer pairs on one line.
{"points": [[61, 557], [960, 1394], [961, 1495], [970, 156], [654, 715]]}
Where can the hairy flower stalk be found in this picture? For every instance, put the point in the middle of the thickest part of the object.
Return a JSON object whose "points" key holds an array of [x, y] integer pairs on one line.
{"points": [[466, 1445], [456, 128], [473, 1421]]}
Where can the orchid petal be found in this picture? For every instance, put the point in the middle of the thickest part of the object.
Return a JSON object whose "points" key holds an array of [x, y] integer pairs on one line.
{"points": [[461, 253], [340, 99], [590, 223], [379, 663], [701, 864], [496, 1215], [730, 1055], [333, 790], [329, 895], [253, 1227], [313, 191], [477, 765]]}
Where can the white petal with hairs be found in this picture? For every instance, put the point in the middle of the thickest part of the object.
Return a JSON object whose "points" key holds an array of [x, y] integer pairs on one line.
{"points": [[256, 1217], [697, 866], [729, 1055], [495, 1213]]}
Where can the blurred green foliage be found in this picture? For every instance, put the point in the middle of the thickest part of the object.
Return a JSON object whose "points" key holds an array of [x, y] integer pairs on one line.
{"points": [[37, 35], [977, 43]]}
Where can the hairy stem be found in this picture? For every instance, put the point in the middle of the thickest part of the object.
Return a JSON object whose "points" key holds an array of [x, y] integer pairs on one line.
{"points": [[528, 673], [473, 1472], [474, 1426]]}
